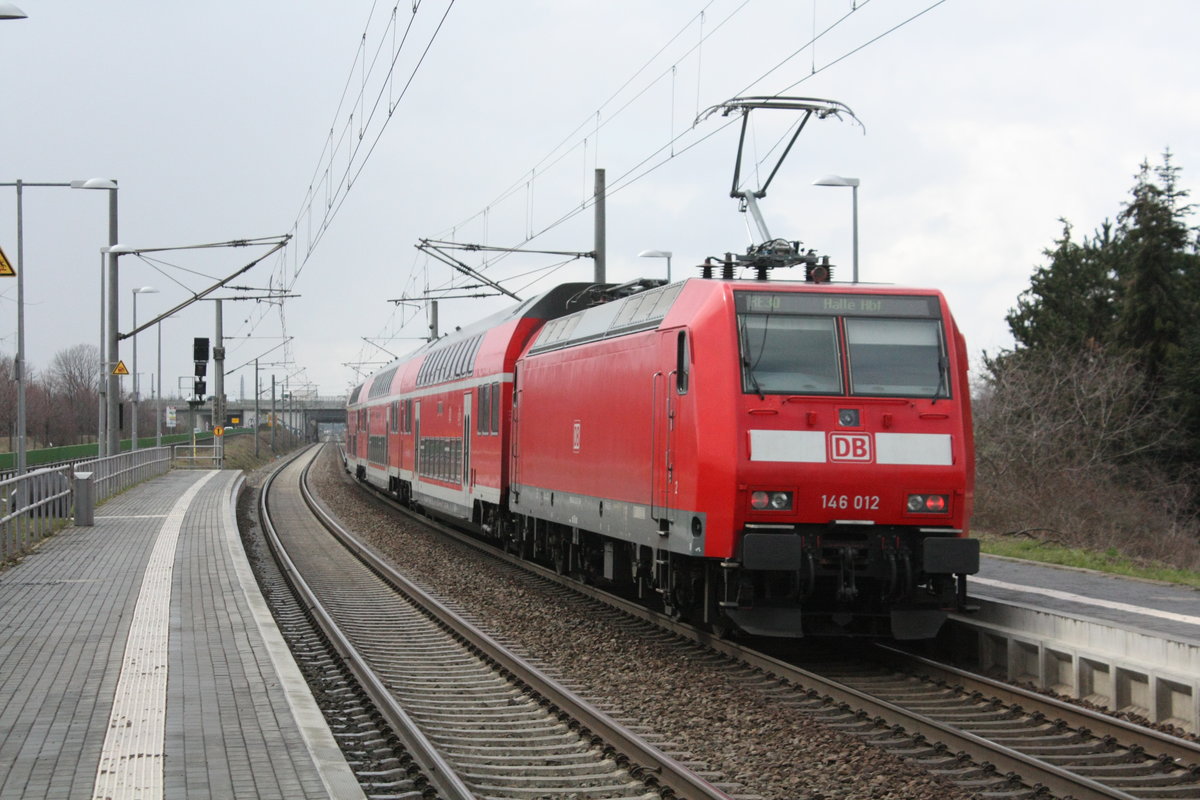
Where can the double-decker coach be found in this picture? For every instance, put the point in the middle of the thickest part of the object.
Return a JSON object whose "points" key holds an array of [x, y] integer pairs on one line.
{"points": [[432, 427]]}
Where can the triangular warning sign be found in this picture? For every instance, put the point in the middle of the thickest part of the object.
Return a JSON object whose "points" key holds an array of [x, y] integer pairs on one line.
{"points": [[120, 369], [6, 269]]}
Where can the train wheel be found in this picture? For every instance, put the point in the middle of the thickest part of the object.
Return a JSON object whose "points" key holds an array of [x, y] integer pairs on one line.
{"points": [[722, 627], [561, 555]]}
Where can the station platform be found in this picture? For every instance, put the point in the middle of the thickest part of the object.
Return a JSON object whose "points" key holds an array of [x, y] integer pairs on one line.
{"points": [[138, 659], [1164, 610], [1121, 643]]}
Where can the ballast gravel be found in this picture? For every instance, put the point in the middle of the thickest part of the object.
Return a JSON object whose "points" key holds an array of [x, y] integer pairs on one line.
{"points": [[771, 751]]}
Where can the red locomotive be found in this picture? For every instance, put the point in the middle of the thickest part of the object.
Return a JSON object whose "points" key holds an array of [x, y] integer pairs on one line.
{"points": [[782, 458], [786, 458]]}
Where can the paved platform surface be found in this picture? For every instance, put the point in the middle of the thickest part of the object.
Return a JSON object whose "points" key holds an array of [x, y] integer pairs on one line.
{"points": [[137, 659], [1172, 612]]}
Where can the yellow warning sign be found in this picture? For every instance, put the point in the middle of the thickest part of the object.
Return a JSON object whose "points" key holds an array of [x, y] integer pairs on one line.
{"points": [[6, 269], [218, 431], [120, 369]]}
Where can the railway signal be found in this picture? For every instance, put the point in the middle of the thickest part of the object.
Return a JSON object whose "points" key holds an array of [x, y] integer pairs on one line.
{"points": [[200, 357]]}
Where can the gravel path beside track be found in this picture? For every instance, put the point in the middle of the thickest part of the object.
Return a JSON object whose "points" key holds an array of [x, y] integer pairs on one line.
{"points": [[772, 751]]}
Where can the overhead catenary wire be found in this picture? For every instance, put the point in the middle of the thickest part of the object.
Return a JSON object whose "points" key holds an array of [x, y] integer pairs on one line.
{"points": [[593, 119], [351, 158], [628, 178], [348, 133]]}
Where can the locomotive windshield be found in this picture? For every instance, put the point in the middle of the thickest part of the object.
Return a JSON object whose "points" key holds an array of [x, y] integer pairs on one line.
{"points": [[865, 345]]}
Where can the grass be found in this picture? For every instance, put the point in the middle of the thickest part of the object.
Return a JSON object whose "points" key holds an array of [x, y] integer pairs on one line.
{"points": [[51, 455], [239, 451], [1110, 561]]}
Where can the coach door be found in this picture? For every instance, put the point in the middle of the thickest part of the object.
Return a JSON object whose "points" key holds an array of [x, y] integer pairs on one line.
{"points": [[416, 423], [466, 448], [514, 438]]}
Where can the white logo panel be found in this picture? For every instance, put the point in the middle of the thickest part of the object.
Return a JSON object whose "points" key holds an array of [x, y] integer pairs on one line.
{"points": [[925, 449], [807, 447]]}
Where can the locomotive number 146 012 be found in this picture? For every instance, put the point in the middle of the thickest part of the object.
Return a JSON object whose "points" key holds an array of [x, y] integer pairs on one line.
{"points": [[858, 502]]}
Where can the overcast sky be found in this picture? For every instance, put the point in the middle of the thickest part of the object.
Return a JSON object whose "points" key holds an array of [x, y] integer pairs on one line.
{"points": [[984, 124]]}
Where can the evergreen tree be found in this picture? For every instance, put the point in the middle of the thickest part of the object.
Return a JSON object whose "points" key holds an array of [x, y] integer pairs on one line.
{"points": [[1070, 302], [1154, 269]]}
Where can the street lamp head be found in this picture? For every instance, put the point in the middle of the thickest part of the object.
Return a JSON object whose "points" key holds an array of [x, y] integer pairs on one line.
{"points": [[94, 183], [117, 250], [835, 180], [146, 290], [655, 254], [9, 11]]}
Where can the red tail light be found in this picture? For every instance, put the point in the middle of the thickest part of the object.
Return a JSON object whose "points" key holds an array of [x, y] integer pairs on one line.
{"points": [[771, 501], [928, 503]]}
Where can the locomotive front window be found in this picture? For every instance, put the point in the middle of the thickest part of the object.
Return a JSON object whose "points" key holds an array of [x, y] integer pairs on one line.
{"points": [[901, 357], [788, 354]]}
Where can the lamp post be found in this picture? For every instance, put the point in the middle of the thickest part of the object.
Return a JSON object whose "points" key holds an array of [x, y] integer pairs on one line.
{"points": [[158, 393], [136, 398], [93, 183], [838, 180], [659, 254]]}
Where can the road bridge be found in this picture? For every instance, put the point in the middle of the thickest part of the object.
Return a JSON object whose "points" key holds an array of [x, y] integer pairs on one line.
{"points": [[311, 417]]}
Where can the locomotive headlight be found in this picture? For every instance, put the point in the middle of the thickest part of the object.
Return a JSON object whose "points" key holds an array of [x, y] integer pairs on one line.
{"points": [[771, 501], [928, 503]]}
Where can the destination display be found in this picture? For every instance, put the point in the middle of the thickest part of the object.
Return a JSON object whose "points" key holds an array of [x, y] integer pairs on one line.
{"points": [[862, 305]]}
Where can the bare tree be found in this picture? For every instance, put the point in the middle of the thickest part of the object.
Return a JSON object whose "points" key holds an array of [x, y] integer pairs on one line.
{"points": [[73, 383], [1066, 446], [8, 400]]}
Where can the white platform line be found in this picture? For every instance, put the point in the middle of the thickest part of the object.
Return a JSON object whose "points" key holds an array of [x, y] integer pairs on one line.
{"points": [[1091, 601], [131, 762]]}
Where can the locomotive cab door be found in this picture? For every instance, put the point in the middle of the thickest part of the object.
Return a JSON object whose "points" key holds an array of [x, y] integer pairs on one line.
{"points": [[667, 385]]}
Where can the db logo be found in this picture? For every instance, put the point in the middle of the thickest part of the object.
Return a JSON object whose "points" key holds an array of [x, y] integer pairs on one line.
{"points": [[850, 446]]}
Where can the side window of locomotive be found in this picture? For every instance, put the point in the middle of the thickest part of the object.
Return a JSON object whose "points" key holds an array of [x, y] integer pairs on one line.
{"points": [[682, 364], [788, 354], [897, 357]]}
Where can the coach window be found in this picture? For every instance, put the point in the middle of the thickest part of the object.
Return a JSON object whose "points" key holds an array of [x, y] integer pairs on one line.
{"points": [[496, 407], [896, 357], [482, 424], [681, 363]]}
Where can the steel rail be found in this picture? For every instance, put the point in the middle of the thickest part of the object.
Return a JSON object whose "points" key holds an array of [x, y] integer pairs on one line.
{"points": [[1130, 734], [667, 772], [435, 768], [1060, 781]]}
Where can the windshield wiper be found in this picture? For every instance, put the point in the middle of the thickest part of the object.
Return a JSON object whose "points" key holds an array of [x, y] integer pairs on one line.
{"points": [[942, 366], [753, 380], [743, 345]]}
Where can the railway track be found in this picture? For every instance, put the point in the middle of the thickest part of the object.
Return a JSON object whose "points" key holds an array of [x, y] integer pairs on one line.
{"points": [[475, 718], [1028, 739], [988, 737]]}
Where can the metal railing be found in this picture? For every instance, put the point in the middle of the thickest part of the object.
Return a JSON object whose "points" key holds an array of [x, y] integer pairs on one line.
{"points": [[198, 456], [38, 503], [32, 506], [117, 473]]}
